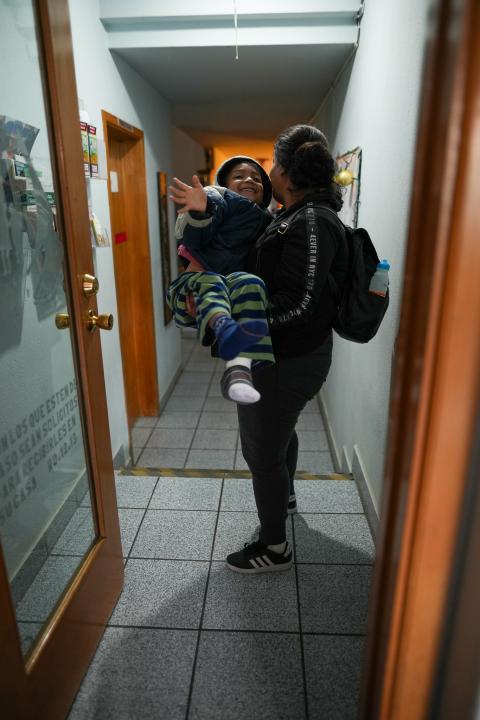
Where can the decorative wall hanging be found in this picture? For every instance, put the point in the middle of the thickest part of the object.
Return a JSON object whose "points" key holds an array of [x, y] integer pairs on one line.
{"points": [[164, 241], [348, 177]]}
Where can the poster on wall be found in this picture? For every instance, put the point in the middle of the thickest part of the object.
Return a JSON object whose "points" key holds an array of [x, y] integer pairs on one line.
{"points": [[348, 169], [164, 241]]}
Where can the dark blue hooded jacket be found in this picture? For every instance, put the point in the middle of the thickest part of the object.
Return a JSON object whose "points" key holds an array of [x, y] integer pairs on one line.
{"points": [[221, 238]]}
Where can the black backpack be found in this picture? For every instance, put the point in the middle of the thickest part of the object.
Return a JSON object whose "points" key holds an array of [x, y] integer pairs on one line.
{"points": [[360, 312]]}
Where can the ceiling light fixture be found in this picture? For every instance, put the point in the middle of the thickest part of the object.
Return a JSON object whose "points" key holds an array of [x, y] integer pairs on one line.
{"points": [[235, 22]]}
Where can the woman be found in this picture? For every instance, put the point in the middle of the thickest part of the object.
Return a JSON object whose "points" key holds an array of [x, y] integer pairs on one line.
{"points": [[294, 257]]}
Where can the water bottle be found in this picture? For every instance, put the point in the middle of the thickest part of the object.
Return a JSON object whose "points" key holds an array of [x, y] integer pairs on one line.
{"points": [[379, 282]]}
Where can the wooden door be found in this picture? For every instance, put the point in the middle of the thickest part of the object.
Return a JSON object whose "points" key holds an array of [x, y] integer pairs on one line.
{"points": [[131, 254], [434, 404], [61, 568]]}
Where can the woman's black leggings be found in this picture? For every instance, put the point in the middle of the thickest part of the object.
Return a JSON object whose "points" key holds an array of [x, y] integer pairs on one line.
{"points": [[267, 432]]}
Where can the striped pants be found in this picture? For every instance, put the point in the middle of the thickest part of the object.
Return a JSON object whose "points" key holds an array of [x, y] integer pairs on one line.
{"points": [[240, 295]]}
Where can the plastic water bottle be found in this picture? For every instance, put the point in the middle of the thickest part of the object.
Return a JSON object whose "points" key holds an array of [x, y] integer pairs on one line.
{"points": [[379, 282]]}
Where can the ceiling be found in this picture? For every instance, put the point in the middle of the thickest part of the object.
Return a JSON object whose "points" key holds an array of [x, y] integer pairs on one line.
{"points": [[214, 95]]}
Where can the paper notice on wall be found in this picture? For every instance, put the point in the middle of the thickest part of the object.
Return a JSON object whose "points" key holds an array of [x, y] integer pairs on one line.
{"points": [[113, 181]]}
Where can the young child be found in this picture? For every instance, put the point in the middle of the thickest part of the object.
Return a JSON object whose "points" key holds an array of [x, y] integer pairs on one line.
{"points": [[217, 227]]}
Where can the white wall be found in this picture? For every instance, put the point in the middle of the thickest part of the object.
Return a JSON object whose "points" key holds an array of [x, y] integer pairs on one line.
{"points": [[188, 155], [375, 106], [108, 83]]}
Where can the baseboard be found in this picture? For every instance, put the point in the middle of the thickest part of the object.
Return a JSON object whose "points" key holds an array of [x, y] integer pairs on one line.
{"points": [[363, 484], [337, 462], [356, 466]]}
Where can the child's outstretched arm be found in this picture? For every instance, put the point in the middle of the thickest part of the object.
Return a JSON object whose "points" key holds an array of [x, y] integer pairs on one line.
{"points": [[191, 197]]}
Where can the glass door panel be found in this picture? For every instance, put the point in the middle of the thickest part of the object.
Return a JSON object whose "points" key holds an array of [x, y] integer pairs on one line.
{"points": [[46, 519]]}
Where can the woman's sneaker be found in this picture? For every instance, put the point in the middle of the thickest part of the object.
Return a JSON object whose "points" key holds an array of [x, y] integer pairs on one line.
{"points": [[257, 558], [292, 504]]}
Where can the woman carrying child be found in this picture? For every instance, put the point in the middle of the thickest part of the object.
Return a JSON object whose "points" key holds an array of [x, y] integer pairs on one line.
{"points": [[294, 257]]}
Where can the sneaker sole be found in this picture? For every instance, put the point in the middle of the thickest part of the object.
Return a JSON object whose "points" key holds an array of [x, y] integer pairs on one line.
{"points": [[256, 571]]}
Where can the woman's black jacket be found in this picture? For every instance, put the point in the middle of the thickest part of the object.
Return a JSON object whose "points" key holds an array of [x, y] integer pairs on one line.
{"points": [[294, 257]]}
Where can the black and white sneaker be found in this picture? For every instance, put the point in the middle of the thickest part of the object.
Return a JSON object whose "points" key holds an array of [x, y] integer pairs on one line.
{"points": [[292, 504], [257, 558]]}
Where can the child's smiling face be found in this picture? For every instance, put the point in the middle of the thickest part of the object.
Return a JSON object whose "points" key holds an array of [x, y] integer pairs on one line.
{"points": [[245, 180]]}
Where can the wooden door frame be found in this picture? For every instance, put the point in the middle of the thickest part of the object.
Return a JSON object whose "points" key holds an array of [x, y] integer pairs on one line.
{"points": [[77, 623], [436, 382], [144, 324]]}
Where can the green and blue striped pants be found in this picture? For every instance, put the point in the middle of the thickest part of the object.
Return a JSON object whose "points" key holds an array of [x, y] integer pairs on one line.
{"points": [[240, 295]]}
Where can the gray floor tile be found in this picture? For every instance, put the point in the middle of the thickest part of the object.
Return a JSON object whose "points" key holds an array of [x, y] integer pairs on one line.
{"points": [[214, 404], [236, 528], [78, 535], [192, 376], [47, 588], [312, 440], [333, 668], [238, 495], [138, 673], [312, 407], [334, 598], [178, 419], [190, 390], [315, 462], [216, 440], [136, 452], [134, 491], [327, 496], [171, 438], [310, 421], [175, 535], [129, 523], [222, 459], [184, 404], [200, 366], [333, 539], [140, 435], [29, 632], [162, 593], [187, 494], [240, 462], [232, 681], [215, 390], [218, 421], [251, 602], [158, 457], [145, 422]]}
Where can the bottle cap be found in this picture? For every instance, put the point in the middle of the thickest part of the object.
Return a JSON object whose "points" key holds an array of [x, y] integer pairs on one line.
{"points": [[384, 265]]}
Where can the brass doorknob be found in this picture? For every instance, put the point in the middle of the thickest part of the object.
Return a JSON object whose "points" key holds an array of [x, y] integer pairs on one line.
{"points": [[90, 285], [104, 322], [62, 321]]}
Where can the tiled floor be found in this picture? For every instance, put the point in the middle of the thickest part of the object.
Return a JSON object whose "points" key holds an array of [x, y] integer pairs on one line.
{"points": [[191, 640]]}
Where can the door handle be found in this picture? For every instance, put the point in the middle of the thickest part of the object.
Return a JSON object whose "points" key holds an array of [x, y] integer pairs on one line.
{"points": [[90, 285], [62, 321], [104, 322]]}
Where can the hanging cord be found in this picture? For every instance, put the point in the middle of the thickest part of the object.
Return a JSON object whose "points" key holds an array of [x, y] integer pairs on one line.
{"points": [[235, 22]]}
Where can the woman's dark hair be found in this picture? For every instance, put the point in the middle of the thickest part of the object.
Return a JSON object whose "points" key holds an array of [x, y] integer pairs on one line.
{"points": [[302, 151]]}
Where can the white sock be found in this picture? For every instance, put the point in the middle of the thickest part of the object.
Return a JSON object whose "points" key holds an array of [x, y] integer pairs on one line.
{"points": [[240, 392], [280, 548]]}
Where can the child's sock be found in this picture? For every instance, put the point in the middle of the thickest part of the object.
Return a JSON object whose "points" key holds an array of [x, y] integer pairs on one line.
{"points": [[233, 338], [236, 382]]}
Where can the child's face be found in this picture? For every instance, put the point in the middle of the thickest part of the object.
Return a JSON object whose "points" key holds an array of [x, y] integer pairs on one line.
{"points": [[245, 180]]}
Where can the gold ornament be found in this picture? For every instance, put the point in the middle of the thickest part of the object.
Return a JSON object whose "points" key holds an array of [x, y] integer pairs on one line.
{"points": [[344, 177]]}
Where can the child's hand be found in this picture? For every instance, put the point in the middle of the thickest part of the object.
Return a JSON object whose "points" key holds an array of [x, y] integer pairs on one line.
{"points": [[192, 197]]}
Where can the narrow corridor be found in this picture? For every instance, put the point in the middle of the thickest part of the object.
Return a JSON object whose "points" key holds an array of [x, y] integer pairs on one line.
{"points": [[189, 638]]}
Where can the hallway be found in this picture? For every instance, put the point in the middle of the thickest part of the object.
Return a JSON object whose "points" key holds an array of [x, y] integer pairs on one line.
{"points": [[190, 639]]}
